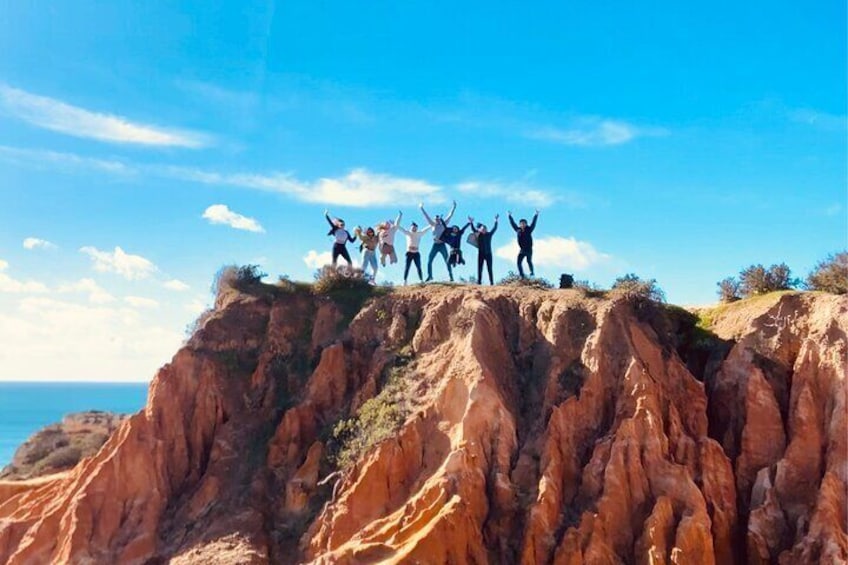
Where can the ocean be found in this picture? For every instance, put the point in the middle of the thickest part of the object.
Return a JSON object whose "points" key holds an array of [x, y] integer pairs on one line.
{"points": [[26, 407]]}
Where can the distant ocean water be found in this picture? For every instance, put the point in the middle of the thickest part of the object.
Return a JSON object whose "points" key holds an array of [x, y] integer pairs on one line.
{"points": [[25, 408]]}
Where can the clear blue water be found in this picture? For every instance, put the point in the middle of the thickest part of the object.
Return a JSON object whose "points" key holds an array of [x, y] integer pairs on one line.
{"points": [[27, 407]]}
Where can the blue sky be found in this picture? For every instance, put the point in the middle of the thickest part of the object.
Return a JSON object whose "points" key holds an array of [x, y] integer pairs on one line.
{"points": [[678, 142]]}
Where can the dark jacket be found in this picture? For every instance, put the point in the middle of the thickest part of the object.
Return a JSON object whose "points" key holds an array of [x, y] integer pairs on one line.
{"points": [[484, 240], [453, 240], [525, 236]]}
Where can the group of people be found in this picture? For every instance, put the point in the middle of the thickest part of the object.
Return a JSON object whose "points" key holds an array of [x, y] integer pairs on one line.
{"points": [[447, 243]]}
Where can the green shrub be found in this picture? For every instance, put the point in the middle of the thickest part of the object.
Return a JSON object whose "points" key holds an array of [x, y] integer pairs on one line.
{"points": [[830, 275], [755, 280], [728, 290], [242, 278], [590, 289], [631, 286], [377, 419], [514, 279], [329, 279]]}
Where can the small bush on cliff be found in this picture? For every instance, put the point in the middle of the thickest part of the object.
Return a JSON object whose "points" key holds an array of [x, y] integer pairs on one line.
{"points": [[242, 278], [514, 279], [830, 275], [631, 286], [756, 280], [589, 289], [728, 290], [329, 279], [376, 420]]}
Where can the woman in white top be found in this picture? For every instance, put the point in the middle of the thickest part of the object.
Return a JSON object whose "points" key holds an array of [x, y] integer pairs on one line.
{"points": [[340, 239], [387, 232], [413, 242]]}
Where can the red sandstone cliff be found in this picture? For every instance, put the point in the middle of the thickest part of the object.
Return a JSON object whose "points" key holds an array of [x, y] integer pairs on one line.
{"points": [[543, 427]]}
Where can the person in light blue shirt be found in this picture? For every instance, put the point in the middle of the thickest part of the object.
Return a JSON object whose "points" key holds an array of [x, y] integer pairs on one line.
{"points": [[439, 246]]}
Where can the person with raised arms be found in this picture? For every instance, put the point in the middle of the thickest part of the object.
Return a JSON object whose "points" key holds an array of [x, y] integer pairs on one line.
{"points": [[369, 241], [484, 248], [386, 233], [439, 246], [525, 241], [341, 237], [413, 246]]}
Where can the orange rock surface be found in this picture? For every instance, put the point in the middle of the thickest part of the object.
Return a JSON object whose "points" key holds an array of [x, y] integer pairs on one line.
{"points": [[544, 427]]}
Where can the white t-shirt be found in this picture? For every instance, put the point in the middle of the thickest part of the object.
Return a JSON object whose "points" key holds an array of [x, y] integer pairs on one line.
{"points": [[413, 238]]}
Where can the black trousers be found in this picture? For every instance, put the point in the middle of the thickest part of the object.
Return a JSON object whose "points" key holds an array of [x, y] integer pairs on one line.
{"points": [[340, 250], [525, 254], [413, 257], [487, 259], [455, 257]]}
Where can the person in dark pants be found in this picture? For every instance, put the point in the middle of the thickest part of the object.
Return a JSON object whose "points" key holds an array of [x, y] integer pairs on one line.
{"points": [[413, 242], [439, 246], [341, 237], [452, 236], [484, 248], [525, 241]]}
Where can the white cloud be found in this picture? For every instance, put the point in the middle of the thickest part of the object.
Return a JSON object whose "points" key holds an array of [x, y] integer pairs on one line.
{"points": [[176, 284], [196, 307], [315, 260], [220, 214], [48, 339], [96, 293], [36, 243], [517, 193], [14, 286], [358, 188], [593, 132], [55, 115], [820, 120], [131, 267], [558, 252], [141, 302]]}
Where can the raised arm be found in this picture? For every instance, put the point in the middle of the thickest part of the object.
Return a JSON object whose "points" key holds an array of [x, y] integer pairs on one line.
{"points": [[402, 229], [511, 221], [427, 216], [533, 223], [450, 214], [463, 228], [495, 227], [329, 221], [399, 216], [350, 238], [424, 230]]}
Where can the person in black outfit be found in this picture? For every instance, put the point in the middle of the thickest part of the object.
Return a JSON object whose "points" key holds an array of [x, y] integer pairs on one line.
{"points": [[484, 248], [453, 237], [525, 241], [341, 237]]}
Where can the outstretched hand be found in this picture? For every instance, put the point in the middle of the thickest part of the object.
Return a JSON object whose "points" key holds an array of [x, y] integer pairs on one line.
{"points": [[509, 213], [497, 216], [326, 212], [421, 205], [537, 211]]}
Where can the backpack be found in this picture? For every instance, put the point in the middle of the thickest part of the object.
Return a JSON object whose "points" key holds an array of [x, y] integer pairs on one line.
{"points": [[472, 239]]}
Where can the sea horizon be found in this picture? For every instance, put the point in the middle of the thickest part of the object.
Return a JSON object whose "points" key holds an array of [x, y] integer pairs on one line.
{"points": [[28, 406]]}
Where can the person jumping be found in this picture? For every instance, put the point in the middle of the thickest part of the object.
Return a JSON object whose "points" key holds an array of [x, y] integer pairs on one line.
{"points": [[484, 248], [439, 247], [341, 237], [525, 241], [453, 237], [386, 233], [413, 254], [369, 241]]}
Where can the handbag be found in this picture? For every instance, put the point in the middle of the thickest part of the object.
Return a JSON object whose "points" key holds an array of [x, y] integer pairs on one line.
{"points": [[472, 239]]}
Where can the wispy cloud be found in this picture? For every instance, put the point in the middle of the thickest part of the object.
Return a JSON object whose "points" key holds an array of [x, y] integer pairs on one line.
{"points": [[131, 267], [14, 286], [96, 293], [519, 193], [59, 116], [593, 132], [316, 260], [559, 252], [358, 188], [176, 285], [820, 120], [833, 210], [221, 214], [141, 302], [37, 243]]}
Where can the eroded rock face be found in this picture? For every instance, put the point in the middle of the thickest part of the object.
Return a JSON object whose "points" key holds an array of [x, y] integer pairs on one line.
{"points": [[545, 427]]}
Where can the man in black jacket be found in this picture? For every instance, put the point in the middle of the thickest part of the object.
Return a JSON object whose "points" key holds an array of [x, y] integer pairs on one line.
{"points": [[525, 241]]}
